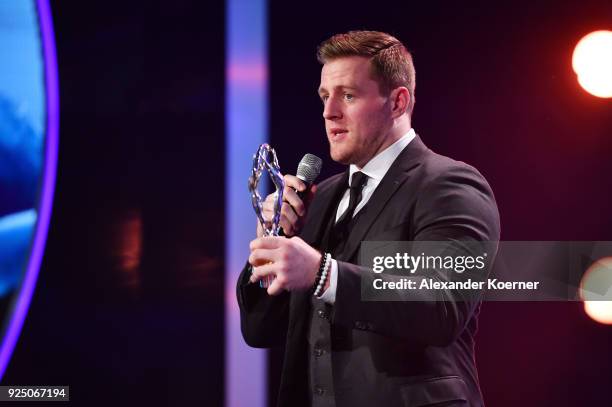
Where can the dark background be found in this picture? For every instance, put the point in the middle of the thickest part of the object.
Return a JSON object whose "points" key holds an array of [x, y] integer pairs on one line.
{"points": [[129, 304], [128, 309]]}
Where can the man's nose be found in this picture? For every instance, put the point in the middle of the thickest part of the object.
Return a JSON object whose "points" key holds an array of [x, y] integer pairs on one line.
{"points": [[332, 109]]}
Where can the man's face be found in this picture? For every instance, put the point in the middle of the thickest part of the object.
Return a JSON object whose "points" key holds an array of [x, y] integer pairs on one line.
{"points": [[357, 116]]}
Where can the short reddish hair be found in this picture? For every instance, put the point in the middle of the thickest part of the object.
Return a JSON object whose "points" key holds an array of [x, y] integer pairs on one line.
{"points": [[391, 62]]}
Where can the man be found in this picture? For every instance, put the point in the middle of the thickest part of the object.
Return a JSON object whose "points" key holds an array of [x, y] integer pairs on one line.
{"points": [[340, 350]]}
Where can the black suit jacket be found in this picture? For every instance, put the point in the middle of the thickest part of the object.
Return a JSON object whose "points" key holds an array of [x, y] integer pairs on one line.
{"points": [[416, 353]]}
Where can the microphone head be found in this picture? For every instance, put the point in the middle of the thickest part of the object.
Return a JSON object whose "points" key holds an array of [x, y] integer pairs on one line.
{"points": [[309, 168]]}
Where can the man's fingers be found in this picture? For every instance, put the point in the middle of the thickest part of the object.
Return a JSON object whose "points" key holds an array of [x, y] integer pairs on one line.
{"points": [[294, 200], [260, 272], [267, 242], [261, 256], [294, 182], [286, 209], [268, 208], [277, 286], [289, 220]]}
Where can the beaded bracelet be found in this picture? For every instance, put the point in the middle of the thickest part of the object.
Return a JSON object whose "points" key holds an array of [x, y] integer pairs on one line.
{"points": [[320, 272], [322, 275]]}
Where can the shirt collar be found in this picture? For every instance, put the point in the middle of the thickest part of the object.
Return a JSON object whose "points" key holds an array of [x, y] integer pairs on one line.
{"points": [[378, 166]]}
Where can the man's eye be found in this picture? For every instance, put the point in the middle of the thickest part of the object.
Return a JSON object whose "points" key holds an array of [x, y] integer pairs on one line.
{"points": [[324, 98], [348, 96]]}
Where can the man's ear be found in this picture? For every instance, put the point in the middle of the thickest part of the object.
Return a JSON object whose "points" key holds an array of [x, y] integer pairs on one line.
{"points": [[400, 100]]}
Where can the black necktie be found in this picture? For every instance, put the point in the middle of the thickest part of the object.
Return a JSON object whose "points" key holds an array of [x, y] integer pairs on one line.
{"points": [[357, 183], [340, 229]]}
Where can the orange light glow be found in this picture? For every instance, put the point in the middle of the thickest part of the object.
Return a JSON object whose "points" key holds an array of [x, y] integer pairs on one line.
{"points": [[592, 62], [596, 291], [600, 311]]}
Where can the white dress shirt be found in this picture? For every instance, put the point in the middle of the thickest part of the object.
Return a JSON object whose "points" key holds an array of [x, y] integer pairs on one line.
{"points": [[375, 169]]}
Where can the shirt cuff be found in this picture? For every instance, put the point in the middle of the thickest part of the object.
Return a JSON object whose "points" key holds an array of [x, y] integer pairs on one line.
{"points": [[329, 295]]}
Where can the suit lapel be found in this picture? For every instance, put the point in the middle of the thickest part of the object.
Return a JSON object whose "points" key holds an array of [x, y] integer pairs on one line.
{"points": [[399, 171], [323, 207]]}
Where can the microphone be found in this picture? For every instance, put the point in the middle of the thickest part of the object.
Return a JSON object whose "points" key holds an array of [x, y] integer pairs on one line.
{"points": [[308, 170]]}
